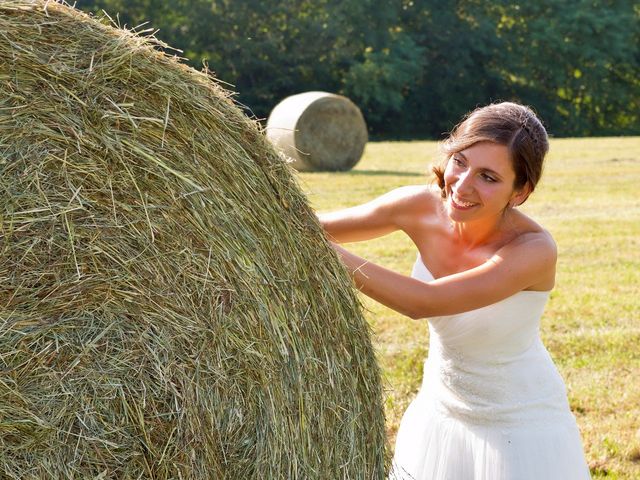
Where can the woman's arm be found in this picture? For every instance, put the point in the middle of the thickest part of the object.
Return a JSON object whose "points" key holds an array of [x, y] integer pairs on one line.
{"points": [[376, 218], [524, 264]]}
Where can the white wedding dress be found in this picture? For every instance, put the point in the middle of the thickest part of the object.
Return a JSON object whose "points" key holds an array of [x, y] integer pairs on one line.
{"points": [[492, 405]]}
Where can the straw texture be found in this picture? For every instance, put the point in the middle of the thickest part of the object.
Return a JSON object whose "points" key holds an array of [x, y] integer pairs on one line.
{"points": [[169, 307], [319, 131]]}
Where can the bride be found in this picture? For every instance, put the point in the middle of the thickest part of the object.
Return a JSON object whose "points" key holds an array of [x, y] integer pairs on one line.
{"points": [[492, 405]]}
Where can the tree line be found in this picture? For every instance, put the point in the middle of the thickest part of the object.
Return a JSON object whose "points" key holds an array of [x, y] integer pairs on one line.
{"points": [[414, 66]]}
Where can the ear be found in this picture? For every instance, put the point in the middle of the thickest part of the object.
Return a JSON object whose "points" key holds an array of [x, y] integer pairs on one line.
{"points": [[520, 196]]}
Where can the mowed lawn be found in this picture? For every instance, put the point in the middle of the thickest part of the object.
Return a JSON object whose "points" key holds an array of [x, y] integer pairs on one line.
{"points": [[589, 199]]}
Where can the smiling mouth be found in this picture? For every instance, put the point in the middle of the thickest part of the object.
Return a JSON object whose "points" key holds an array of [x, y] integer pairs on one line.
{"points": [[461, 205]]}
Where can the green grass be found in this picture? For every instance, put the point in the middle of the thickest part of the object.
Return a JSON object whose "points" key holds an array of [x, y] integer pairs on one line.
{"points": [[588, 199]]}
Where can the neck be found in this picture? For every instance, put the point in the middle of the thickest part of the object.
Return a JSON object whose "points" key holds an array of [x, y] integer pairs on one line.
{"points": [[479, 232]]}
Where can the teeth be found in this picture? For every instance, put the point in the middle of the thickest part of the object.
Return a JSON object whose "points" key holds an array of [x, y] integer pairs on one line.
{"points": [[461, 203]]}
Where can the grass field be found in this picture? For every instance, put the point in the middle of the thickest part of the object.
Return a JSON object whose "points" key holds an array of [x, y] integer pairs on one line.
{"points": [[588, 199]]}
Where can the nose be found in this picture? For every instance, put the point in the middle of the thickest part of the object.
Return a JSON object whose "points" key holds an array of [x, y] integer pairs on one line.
{"points": [[464, 183]]}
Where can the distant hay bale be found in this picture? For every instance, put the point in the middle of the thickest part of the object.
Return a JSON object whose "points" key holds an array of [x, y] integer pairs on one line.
{"points": [[318, 131], [169, 307]]}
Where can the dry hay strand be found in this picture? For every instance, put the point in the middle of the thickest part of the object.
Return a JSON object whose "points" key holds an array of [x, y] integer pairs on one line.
{"points": [[169, 306], [318, 131]]}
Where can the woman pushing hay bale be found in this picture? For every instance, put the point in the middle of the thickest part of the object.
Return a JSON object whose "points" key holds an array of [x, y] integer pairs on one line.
{"points": [[169, 307], [318, 131]]}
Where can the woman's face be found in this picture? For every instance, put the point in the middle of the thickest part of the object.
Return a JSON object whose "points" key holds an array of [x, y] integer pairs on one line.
{"points": [[479, 182]]}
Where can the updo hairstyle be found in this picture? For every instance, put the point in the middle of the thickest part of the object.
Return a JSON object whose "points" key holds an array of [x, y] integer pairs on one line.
{"points": [[510, 124]]}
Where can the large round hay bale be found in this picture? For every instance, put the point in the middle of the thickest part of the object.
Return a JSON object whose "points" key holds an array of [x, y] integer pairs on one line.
{"points": [[319, 131], [169, 306]]}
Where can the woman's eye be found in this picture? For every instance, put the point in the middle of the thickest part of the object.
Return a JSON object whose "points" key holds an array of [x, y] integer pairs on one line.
{"points": [[458, 161], [488, 178]]}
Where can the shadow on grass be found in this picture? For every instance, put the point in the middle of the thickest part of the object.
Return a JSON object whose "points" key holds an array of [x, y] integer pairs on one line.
{"points": [[623, 160], [372, 173]]}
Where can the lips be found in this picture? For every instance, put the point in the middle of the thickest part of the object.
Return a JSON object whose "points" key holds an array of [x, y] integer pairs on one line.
{"points": [[461, 204]]}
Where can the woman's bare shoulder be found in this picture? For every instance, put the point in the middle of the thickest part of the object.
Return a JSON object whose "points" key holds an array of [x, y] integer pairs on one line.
{"points": [[415, 198], [540, 241], [530, 231], [533, 252]]}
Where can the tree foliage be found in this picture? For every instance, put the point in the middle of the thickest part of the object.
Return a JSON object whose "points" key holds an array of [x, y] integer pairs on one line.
{"points": [[415, 66]]}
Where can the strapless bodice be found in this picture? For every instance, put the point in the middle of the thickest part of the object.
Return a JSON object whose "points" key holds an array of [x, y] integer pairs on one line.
{"points": [[503, 329], [488, 365]]}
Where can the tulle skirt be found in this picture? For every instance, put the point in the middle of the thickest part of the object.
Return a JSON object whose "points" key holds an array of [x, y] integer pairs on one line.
{"points": [[433, 446]]}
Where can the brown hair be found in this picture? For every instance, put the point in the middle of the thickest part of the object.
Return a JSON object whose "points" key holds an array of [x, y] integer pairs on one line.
{"points": [[510, 124]]}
